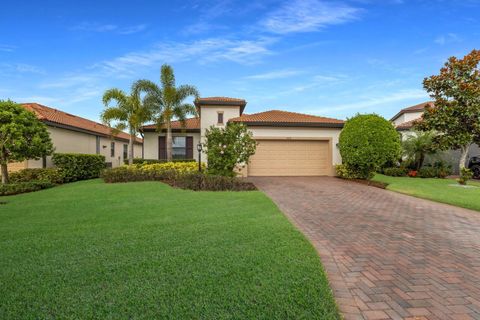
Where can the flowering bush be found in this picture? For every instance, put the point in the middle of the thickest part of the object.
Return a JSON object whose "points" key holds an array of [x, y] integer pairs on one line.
{"points": [[412, 173], [180, 167], [228, 148], [150, 172]]}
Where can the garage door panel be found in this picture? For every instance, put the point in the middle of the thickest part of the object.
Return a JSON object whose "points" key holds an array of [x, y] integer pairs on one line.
{"points": [[291, 158]]}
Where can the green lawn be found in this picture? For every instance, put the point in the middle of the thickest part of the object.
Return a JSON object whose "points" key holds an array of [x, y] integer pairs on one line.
{"points": [[435, 189], [91, 250]]}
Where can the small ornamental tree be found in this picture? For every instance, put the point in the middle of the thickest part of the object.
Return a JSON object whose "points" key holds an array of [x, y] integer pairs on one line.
{"points": [[456, 115], [417, 146], [22, 136], [368, 142], [227, 148]]}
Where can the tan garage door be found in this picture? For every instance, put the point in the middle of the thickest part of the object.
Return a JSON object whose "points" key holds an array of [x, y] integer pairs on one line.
{"points": [[291, 158]]}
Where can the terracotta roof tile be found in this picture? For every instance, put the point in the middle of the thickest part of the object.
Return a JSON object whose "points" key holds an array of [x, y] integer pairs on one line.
{"points": [[416, 108], [287, 118], [192, 123], [221, 99], [45, 113]]}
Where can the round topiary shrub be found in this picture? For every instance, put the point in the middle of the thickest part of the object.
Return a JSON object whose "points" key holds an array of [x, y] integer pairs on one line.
{"points": [[367, 143]]}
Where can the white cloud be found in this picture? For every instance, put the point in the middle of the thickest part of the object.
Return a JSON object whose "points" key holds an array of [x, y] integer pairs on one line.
{"points": [[102, 28], [308, 16], [132, 29], [12, 68], [278, 74], [7, 48], [448, 38], [375, 101], [203, 51]]}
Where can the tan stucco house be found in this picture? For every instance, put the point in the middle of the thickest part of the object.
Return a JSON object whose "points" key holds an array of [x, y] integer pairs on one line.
{"points": [[73, 134], [404, 122], [289, 143]]}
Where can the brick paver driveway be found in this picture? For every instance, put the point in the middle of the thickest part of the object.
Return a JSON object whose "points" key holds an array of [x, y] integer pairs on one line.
{"points": [[387, 255]]}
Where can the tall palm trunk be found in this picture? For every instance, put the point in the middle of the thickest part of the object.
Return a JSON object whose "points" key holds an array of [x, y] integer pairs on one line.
{"points": [[169, 140], [130, 151]]}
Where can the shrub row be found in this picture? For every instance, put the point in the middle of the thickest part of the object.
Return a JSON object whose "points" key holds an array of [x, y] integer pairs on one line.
{"points": [[141, 161], [424, 172], [181, 175], [76, 166], [345, 172], [395, 172], [23, 187], [52, 175], [205, 182]]}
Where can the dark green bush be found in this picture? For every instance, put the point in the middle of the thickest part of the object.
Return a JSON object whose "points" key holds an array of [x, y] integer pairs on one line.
{"points": [[153, 161], [133, 173], [52, 175], [345, 172], [205, 182], [76, 166], [427, 172], [395, 172], [438, 170], [179, 178], [23, 187], [367, 143]]}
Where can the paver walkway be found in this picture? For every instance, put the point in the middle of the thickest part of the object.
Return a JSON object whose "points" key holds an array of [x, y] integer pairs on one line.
{"points": [[387, 255]]}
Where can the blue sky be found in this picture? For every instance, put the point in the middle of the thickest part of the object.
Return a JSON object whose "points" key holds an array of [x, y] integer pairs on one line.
{"points": [[330, 58]]}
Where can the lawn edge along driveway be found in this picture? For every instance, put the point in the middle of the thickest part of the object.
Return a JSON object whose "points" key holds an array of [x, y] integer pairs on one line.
{"points": [[144, 250], [440, 190]]}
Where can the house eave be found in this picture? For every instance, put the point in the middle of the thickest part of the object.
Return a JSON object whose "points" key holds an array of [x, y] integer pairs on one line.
{"points": [[293, 124], [76, 129]]}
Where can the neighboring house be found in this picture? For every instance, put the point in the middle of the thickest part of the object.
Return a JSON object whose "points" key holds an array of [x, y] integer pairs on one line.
{"points": [[73, 134], [289, 143], [404, 122]]}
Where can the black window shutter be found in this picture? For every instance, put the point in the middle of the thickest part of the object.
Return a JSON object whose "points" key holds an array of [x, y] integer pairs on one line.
{"points": [[162, 148], [189, 152]]}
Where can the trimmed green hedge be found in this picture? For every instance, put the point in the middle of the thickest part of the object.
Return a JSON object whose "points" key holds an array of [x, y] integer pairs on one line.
{"points": [[52, 175], [23, 187], [76, 166], [178, 175], [395, 172], [153, 161], [206, 182]]}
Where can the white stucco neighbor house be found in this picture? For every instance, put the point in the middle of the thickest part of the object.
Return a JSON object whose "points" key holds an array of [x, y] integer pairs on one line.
{"points": [[73, 134], [404, 122], [289, 143]]}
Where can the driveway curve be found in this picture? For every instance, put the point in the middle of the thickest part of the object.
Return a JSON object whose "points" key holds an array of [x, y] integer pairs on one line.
{"points": [[387, 255]]}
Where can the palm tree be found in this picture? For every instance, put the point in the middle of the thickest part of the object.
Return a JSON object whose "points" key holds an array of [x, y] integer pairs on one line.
{"points": [[417, 145], [168, 102], [130, 112]]}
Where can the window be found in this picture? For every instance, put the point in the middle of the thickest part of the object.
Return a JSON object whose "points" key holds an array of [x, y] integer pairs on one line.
{"points": [[125, 151], [182, 148], [179, 150], [112, 149], [220, 118]]}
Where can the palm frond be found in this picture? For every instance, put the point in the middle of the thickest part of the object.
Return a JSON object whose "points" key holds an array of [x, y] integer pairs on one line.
{"points": [[117, 95], [146, 86], [113, 113], [167, 77], [185, 91]]}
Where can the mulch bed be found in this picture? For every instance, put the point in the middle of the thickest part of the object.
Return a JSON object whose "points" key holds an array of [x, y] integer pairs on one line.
{"points": [[376, 184]]}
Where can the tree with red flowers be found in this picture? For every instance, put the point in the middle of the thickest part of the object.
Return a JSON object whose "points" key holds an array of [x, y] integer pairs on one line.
{"points": [[456, 115]]}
